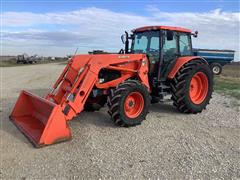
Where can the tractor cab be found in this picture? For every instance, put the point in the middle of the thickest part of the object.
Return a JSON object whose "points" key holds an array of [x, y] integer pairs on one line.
{"points": [[162, 44]]}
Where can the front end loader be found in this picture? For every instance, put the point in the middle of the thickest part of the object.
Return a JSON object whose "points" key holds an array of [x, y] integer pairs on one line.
{"points": [[156, 65], [44, 120]]}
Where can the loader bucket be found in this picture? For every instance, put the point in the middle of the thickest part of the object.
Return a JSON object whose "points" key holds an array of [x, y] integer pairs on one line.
{"points": [[40, 120]]}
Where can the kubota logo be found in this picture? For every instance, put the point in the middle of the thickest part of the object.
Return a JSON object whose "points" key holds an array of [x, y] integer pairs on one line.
{"points": [[123, 57]]}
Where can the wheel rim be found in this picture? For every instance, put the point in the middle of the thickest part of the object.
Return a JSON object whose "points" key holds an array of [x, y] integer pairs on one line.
{"points": [[216, 69], [134, 104], [198, 88]]}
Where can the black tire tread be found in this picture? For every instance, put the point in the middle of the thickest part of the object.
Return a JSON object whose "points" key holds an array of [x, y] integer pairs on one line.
{"points": [[178, 87], [113, 101]]}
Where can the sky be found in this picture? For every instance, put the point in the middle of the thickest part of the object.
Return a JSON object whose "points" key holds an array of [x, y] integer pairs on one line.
{"points": [[58, 27]]}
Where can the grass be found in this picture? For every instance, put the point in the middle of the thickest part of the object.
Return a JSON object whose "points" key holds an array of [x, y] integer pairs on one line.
{"points": [[228, 83], [9, 63], [63, 63], [12, 62]]}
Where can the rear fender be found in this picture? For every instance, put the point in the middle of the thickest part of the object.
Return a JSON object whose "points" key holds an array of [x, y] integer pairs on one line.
{"points": [[180, 62]]}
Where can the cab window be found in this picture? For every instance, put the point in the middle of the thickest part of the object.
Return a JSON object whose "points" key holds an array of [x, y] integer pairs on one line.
{"points": [[153, 51], [169, 48], [146, 42], [154, 44], [184, 45], [140, 44]]}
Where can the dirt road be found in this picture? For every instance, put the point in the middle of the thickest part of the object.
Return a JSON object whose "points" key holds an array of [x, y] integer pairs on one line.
{"points": [[167, 145]]}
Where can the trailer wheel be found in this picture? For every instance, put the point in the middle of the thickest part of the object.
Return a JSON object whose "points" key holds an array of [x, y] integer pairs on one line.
{"points": [[129, 103], [216, 68], [192, 87]]}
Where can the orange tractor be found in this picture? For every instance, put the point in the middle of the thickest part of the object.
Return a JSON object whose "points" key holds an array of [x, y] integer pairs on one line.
{"points": [[158, 62]]}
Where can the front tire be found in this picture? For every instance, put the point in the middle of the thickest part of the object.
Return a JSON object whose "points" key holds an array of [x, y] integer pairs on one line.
{"points": [[192, 87], [129, 103]]}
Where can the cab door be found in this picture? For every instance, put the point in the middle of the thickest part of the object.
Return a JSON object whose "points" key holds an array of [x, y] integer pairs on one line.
{"points": [[169, 53], [153, 53]]}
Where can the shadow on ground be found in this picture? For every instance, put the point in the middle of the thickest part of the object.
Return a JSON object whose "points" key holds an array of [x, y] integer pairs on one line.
{"points": [[97, 118], [165, 107]]}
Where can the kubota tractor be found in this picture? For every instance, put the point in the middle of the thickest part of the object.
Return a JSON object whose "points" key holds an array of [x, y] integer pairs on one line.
{"points": [[159, 61]]}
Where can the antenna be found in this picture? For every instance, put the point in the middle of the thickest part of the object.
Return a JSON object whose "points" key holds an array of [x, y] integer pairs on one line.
{"points": [[76, 51], [70, 58]]}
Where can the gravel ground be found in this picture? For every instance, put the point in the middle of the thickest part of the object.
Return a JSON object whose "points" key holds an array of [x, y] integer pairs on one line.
{"points": [[168, 145]]}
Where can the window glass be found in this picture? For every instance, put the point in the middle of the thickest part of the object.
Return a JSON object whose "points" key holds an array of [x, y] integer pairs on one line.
{"points": [[170, 48], [140, 43], [154, 45], [184, 43], [146, 42], [153, 51]]}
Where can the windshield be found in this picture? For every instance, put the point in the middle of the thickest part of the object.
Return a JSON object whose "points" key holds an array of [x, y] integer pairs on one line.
{"points": [[146, 42]]}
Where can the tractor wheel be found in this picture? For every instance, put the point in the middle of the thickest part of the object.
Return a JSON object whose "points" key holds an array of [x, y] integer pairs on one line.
{"points": [[192, 87], [129, 103]]}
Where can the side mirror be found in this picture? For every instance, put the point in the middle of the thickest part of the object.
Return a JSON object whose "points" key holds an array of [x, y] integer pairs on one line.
{"points": [[123, 38], [195, 34], [169, 35]]}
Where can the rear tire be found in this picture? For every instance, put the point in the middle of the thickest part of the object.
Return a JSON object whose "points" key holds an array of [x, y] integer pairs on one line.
{"points": [[129, 103], [192, 87]]}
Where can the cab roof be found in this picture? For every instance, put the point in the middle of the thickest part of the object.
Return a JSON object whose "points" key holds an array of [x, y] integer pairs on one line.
{"points": [[148, 28]]}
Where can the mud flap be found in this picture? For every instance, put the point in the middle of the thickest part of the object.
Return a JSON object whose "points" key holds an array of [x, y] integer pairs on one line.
{"points": [[40, 120]]}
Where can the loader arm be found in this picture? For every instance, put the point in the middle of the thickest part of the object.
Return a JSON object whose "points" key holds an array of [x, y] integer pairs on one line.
{"points": [[44, 120], [76, 88]]}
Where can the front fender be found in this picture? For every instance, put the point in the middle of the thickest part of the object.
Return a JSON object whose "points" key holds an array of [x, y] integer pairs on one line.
{"points": [[180, 62]]}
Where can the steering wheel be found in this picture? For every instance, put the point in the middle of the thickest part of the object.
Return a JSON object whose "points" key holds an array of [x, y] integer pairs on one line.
{"points": [[121, 51], [153, 50]]}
